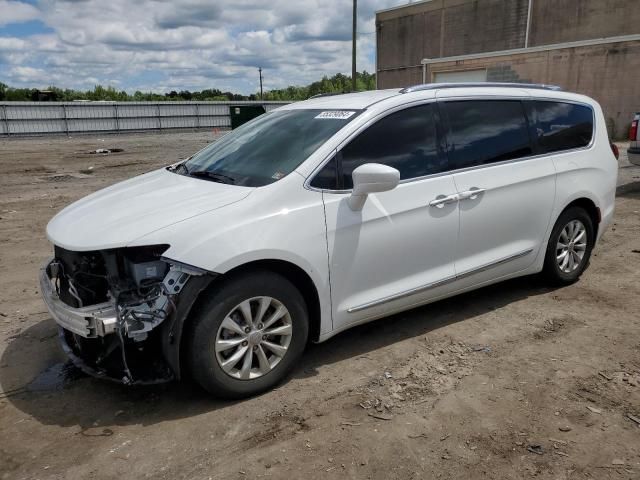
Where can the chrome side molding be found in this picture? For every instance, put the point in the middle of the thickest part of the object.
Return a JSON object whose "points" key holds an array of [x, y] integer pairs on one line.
{"points": [[406, 293], [439, 283], [489, 265]]}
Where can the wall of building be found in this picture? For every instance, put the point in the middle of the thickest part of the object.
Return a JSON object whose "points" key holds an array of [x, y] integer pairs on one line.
{"points": [[608, 73], [435, 29], [443, 28], [558, 21], [483, 26]]}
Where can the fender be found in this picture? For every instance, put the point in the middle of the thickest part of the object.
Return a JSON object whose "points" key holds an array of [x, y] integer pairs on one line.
{"points": [[172, 329]]}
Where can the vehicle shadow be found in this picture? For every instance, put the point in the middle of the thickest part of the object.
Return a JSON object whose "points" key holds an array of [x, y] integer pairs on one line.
{"points": [[380, 333], [628, 190], [36, 381]]}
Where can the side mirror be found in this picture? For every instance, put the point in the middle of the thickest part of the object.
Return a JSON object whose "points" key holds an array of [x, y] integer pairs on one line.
{"points": [[371, 178]]}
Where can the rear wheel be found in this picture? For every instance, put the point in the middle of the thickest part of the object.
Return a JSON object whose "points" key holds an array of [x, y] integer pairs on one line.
{"points": [[248, 335], [569, 248]]}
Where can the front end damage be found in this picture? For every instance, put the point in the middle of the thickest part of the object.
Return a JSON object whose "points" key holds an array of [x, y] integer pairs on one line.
{"points": [[121, 311]]}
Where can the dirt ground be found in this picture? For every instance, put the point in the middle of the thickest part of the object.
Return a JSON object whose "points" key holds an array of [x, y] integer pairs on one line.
{"points": [[512, 381]]}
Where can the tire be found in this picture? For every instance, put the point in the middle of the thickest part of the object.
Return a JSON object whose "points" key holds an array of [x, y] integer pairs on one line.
{"points": [[262, 295], [559, 271]]}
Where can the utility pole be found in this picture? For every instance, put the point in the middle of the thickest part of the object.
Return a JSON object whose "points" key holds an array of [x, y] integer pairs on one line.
{"points": [[260, 72], [353, 47]]}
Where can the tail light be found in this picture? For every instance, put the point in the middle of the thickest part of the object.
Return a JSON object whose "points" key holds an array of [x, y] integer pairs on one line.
{"points": [[633, 131], [615, 150]]}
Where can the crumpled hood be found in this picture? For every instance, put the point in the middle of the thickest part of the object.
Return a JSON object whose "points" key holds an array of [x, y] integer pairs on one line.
{"points": [[117, 215]]}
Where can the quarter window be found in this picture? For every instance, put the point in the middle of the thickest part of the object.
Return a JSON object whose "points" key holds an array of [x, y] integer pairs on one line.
{"points": [[486, 131], [561, 126], [405, 140], [327, 178]]}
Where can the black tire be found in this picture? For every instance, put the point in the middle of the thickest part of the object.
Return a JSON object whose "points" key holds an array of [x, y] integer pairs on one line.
{"points": [[203, 363], [552, 272]]}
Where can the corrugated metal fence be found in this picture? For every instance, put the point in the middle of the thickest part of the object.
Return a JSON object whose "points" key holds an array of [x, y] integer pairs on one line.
{"points": [[44, 118]]}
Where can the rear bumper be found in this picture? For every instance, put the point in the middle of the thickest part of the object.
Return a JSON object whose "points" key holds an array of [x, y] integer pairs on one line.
{"points": [[88, 322], [633, 154]]}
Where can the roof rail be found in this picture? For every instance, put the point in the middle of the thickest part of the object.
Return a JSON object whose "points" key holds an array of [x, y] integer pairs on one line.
{"points": [[328, 94], [437, 86]]}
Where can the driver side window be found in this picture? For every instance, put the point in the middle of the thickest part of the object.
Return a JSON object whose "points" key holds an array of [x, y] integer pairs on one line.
{"points": [[406, 140]]}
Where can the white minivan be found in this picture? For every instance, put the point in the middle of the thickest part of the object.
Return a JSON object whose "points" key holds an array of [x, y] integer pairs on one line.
{"points": [[322, 215]]}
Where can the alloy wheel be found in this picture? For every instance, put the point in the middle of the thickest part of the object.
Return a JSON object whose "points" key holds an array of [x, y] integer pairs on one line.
{"points": [[253, 338], [571, 246]]}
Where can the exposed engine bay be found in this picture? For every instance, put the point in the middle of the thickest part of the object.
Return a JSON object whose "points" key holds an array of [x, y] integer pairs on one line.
{"points": [[110, 305]]}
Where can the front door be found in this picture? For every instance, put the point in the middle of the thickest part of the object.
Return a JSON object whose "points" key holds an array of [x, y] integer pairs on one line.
{"points": [[399, 249], [391, 254]]}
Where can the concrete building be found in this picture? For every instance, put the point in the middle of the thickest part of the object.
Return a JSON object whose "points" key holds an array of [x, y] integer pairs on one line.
{"points": [[586, 46]]}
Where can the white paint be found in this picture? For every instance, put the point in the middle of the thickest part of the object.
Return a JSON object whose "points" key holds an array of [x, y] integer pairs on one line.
{"points": [[371, 178], [117, 215], [395, 245]]}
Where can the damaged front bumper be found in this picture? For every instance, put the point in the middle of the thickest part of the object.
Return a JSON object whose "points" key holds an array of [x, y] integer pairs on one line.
{"points": [[67, 342], [129, 340], [88, 322]]}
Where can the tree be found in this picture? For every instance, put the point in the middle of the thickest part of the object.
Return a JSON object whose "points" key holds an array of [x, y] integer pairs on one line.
{"points": [[339, 83]]}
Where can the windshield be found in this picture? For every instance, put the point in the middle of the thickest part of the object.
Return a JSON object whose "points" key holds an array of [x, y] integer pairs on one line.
{"points": [[267, 148]]}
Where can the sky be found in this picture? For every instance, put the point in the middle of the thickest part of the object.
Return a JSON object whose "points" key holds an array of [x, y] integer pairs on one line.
{"points": [[164, 45]]}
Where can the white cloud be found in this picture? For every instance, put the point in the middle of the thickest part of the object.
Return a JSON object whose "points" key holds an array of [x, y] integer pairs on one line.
{"points": [[12, 44], [27, 74], [12, 12], [185, 44]]}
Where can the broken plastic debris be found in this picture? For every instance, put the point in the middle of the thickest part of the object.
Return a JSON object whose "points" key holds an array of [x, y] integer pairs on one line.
{"points": [[536, 448], [106, 150], [481, 348]]}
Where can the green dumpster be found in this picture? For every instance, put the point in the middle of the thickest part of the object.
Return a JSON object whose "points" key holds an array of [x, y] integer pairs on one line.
{"points": [[241, 114]]}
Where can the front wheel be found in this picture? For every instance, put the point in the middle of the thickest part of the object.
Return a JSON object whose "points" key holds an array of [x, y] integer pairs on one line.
{"points": [[248, 335], [569, 248]]}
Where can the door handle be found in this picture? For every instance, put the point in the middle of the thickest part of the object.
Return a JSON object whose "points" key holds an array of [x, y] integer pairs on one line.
{"points": [[441, 200], [471, 194]]}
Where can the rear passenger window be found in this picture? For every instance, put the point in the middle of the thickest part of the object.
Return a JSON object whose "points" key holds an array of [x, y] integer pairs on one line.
{"points": [[405, 140], [486, 131], [561, 126]]}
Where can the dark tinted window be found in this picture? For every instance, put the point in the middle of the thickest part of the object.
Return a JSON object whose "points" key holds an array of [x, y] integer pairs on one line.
{"points": [[327, 178], [561, 126], [405, 140], [486, 131]]}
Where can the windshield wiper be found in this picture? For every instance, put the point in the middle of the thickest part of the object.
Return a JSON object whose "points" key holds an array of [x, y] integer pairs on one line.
{"points": [[213, 176], [180, 166]]}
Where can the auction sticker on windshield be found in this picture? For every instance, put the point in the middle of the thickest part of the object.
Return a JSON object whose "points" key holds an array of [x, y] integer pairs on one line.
{"points": [[336, 114]]}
